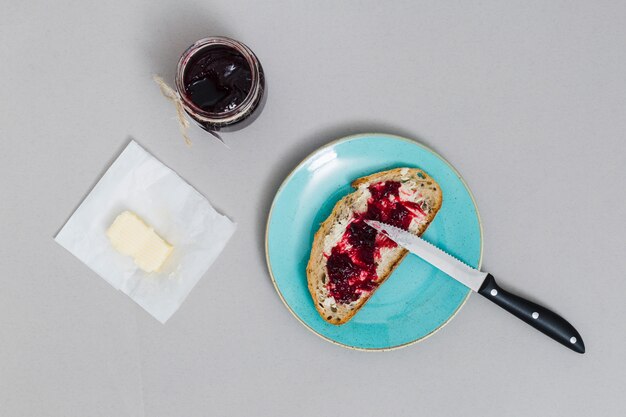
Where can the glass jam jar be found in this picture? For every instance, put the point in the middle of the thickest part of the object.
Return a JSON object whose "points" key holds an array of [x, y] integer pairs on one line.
{"points": [[221, 84]]}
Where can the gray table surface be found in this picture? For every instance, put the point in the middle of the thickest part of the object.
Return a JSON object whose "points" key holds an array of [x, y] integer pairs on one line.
{"points": [[526, 99]]}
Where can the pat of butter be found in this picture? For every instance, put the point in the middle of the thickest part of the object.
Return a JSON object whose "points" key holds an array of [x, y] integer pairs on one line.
{"points": [[130, 236]]}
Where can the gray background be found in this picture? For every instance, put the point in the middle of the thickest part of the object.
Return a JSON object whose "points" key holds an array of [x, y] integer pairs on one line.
{"points": [[526, 99]]}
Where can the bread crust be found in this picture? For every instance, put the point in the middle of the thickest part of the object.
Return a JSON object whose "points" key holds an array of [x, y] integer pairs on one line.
{"points": [[429, 193]]}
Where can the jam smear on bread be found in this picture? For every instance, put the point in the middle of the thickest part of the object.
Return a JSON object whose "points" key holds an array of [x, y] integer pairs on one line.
{"points": [[352, 261]]}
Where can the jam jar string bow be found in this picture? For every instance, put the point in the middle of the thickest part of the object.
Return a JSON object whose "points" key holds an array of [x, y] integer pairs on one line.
{"points": [[171, 94]]}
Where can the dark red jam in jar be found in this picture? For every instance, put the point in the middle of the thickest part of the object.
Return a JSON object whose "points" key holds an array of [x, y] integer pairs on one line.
{"points": [[221, 84]]}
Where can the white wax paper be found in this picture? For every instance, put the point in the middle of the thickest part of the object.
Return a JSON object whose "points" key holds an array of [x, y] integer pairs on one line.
{"points": [[138, 182]]}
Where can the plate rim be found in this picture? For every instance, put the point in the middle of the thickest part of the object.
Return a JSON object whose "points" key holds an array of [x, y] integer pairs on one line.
{"points": [[290, 175]]}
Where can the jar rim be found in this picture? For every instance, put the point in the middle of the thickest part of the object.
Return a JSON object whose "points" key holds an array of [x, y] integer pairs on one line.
{"points": [[221, 118]]}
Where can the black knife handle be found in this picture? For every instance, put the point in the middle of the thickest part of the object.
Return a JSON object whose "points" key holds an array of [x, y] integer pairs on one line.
{"points": [[542, 319]]}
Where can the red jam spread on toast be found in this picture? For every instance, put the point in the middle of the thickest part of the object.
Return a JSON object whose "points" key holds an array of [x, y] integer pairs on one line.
{"points": [[352, 261]]}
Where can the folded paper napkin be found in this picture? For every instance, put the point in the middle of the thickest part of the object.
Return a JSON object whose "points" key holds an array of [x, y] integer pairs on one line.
{"points": [[138, 182]]}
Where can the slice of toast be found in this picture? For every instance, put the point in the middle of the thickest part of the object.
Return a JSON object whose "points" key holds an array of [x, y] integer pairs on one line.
{"points": [[337, 298]]}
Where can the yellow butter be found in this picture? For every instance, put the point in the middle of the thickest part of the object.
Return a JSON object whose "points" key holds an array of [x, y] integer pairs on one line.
{"points": [[130, 236]]}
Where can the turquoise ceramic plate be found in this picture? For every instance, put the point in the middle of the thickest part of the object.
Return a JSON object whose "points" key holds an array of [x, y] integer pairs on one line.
{"points": [[417, 299]]}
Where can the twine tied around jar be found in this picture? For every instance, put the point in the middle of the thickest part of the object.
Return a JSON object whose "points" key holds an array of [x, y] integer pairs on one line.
{"points": [[171, 94]]}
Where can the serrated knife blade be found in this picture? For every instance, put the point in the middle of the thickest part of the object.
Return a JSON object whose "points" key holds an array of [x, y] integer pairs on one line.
{"points": [[466, 275], [539, 317]]}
